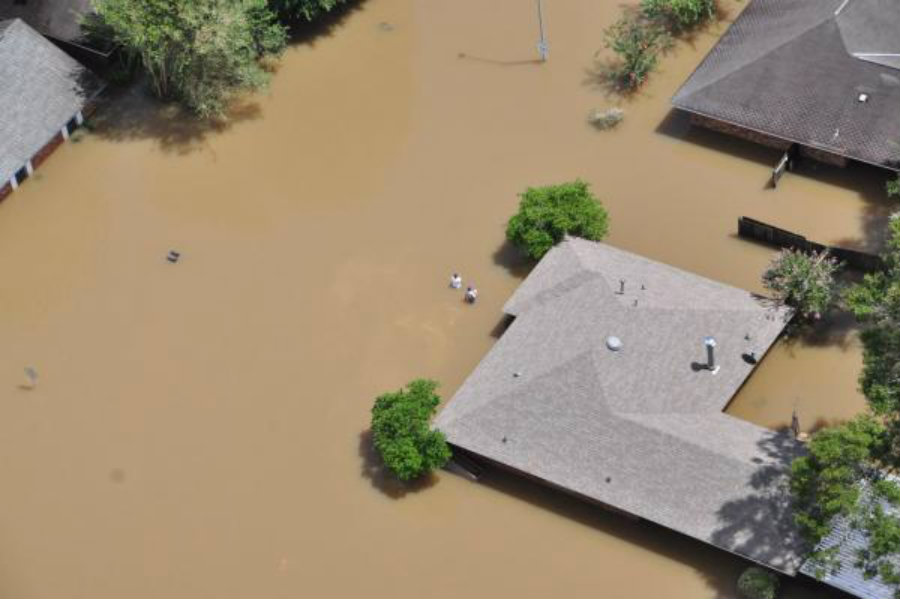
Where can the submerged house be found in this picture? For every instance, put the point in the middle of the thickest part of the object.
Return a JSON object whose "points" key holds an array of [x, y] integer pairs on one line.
{"points": [[60, 21], [818, 77], [610, 384], [45, 95]]}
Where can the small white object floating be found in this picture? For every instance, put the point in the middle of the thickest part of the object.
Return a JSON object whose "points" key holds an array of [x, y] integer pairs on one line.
{"points": [[31, 376], [614, 343]]}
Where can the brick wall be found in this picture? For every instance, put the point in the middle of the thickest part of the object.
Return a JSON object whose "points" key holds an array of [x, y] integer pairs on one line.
{"points": [[758, 138], [48, 149], [767, 140]]}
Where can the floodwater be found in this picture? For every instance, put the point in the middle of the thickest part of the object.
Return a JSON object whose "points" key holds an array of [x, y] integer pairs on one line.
{"points": [[199, 428]]}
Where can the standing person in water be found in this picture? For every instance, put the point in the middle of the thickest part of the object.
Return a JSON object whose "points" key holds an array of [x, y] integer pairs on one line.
{"points": [[471, 294], [455, 281]]}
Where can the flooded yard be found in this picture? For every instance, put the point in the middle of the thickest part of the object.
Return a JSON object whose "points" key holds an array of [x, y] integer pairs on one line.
{"points": [[199, 428]]}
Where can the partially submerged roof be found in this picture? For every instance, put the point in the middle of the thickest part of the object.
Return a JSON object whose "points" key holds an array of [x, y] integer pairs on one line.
{"points": [[42, 89], [640, 429], [59, 19], [796, 69]]}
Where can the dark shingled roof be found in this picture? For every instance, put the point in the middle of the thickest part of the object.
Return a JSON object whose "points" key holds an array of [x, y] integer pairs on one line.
{"points": [[60, 19], [42, 89], [795, 69], [640, 429]]}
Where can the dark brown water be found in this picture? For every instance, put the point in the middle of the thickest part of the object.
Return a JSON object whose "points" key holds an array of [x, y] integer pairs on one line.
{"points": [[198, 429]]}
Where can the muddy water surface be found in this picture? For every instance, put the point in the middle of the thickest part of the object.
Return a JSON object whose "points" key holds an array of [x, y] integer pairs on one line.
{"points": [[199, 428]]}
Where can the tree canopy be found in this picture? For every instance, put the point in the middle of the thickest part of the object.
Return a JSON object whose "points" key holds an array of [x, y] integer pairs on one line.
{"points": [[803, 281], [850, 469], [547, 214], [199, 52], [402, 433]]}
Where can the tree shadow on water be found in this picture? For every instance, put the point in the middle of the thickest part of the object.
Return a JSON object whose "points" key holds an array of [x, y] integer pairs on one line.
{"points": [[513, 260], [135, 114], [303, 32], [374, 470]]}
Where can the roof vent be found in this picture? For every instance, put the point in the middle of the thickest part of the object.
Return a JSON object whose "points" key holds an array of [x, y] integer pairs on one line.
{"points": [[863, 98], [613, 343]]}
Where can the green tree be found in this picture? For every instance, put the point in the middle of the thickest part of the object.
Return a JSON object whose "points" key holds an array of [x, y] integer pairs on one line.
{"points": [[825, 482], [679, 15], [199, 52], [803, 281], [637, 43], [757, 583], [304, 9], [876, 303], [547, 214], [402, 433]]}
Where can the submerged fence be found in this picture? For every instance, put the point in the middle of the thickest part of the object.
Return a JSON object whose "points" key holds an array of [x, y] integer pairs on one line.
{"points": [[749, 228]]}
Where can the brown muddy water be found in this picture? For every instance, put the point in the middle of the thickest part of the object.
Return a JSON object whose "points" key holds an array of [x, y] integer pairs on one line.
{"points": [[199, 428]]}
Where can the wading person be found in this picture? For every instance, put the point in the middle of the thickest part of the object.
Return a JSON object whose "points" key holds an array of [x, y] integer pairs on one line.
{"points": [[471, 295], [455, 281]]}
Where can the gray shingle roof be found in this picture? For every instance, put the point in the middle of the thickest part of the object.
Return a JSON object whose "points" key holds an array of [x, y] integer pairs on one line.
{"points": [[60, 19], [794, 69], [640, 429], [42, 89]]}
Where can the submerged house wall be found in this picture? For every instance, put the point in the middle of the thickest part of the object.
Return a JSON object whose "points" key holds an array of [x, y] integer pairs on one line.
{"points": [[764, 139]]}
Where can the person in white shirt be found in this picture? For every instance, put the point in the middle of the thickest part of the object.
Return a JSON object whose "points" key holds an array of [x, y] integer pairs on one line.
{"points": [[455, 281], [471, 294]]}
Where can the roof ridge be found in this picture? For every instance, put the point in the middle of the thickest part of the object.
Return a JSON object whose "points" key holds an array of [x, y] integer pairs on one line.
{"points": [[829, 17]]}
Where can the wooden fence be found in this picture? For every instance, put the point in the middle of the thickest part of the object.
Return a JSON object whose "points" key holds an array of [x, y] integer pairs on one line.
{"points": [[749, 228]]}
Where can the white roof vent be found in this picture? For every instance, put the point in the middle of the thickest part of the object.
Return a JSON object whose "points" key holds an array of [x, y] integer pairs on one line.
{"points": [[613, 343], [863, 98]]}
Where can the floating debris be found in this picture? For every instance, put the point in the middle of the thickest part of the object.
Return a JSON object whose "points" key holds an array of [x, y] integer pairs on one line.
{"points": [[385, 26], [173, 256], [31, 377], [606, 119]]}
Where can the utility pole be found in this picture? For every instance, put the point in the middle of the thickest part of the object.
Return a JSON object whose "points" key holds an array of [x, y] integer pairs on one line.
{"points": [[543, 47]]}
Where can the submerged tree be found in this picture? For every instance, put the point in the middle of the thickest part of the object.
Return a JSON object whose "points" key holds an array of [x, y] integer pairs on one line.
{"points": [[547, 214], [199, 52], [679, 15], [402, 433], [637, 43], [803, 281]]}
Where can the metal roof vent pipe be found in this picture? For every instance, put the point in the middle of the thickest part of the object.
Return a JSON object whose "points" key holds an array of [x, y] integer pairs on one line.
{"points": [[711, 365]]}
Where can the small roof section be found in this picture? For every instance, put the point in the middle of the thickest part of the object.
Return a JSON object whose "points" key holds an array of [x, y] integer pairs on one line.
{"points": [[797, 69], [849, 542], [59, 19], [641, 428], [43, 88]]}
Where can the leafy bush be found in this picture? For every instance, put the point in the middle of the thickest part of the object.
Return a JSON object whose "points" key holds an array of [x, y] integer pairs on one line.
{"points": [[547, 214], [606, 119], [803, 281], [637, 42], [679, 15], [757, 583], [402, 433]]}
